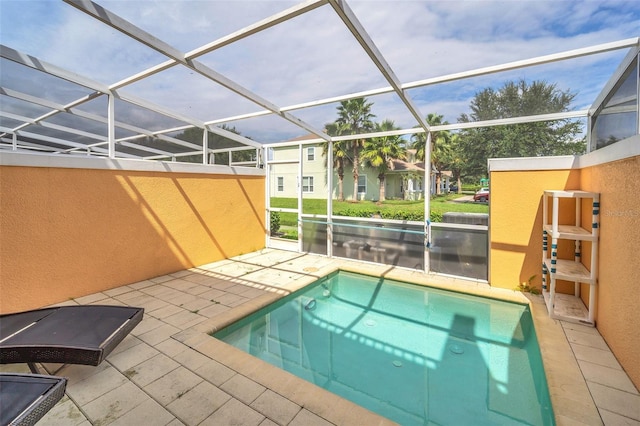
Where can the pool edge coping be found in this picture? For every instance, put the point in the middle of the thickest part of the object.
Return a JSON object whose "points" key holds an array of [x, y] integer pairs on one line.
{"points": [[570, 397]]}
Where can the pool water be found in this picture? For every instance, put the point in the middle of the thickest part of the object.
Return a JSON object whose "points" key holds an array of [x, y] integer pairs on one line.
{"points": [[410, 353]]}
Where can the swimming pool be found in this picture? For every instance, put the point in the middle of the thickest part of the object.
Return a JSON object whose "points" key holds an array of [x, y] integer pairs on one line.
{"points": [[412, 354]]}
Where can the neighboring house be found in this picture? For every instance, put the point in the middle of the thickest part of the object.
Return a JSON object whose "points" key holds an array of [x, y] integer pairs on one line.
{"points": [[403, 180], [446, 177]]}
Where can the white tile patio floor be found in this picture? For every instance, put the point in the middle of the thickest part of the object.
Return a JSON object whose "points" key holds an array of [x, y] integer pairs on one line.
{"points": [[170, 372]]}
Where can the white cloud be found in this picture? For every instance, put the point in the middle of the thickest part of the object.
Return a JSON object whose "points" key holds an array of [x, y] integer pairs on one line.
{"points": [[313, 56]]}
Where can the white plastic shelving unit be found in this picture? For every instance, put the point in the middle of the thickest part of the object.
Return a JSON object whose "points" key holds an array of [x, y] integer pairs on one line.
{"points": [[565, 306]]}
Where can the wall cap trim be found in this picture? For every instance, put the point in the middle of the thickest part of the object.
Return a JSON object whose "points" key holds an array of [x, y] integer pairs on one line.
{"points": [[22, 159], [621, 150]]}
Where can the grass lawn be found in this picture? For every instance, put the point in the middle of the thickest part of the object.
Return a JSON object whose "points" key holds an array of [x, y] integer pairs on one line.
{"points": [[392, 209]]}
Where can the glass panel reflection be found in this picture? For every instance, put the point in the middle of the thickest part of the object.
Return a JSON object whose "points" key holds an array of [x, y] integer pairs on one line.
{"points": [[461, 252], [454, 250], [618, 118]]}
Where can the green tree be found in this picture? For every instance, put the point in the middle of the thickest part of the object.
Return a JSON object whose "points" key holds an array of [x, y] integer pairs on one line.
{"points": [[340, 156], [378, 152], [355, 117], [455, 160], [518, 99], [440, 146]]}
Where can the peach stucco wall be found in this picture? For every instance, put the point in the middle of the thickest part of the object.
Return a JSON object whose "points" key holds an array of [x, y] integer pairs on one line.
{"points": [[618, 315], [516, 246], [516, 223], [68, 232]]}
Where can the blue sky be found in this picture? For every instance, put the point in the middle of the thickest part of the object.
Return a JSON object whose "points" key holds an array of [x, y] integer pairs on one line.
{"points": [[312, 56]]}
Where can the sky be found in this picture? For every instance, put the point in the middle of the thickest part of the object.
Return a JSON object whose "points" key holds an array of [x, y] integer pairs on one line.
{"points": [[310, 57]]}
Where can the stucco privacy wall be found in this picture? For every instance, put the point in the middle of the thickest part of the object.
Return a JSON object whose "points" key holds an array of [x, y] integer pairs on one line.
{"points": [[66, 232], [618, 315], [516, 227], [516, 223]]}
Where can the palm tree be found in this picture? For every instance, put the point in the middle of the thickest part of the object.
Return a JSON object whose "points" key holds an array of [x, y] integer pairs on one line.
{"points": [[378, 152], [340, 157], [355, 117], [455, 160], [440, 145]]}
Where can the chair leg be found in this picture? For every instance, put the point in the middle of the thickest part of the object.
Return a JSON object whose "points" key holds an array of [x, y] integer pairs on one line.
{"points": [[33, 368]]}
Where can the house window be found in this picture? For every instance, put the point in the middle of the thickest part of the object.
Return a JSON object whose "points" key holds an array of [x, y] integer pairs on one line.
{"points": [[311, 154], [280, 183], [307, 184], [362, 184]]}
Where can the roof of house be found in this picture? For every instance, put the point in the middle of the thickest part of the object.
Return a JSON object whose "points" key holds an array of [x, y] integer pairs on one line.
{"points": [[404, 166]]}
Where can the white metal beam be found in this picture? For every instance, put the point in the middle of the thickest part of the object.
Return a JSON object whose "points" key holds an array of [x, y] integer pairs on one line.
{"points": [[111, 125], [294, 143], [205, 147], [68, 109], [360, 34], [15, 145], [35, 63], [146, 149], [56, 108], [234, 149], [35, 137], [165, 138], [71, 109], [52, 126], [259, 26], [233, 136], [514, 120], [247, 94], [125, 27], [226, 40], [619, 72], [453, 126], [158, 109], [540, 60], [31, 99], [32, 62], [111, 19]]}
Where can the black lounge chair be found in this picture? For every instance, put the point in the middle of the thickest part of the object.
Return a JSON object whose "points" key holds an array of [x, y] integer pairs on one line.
{"points": [[26, 398], [83, 334]]}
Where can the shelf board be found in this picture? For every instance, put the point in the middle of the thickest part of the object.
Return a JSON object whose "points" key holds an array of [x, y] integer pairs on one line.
{"points": [[571, 232], [572, 194], [567, 308], [570, 271]]}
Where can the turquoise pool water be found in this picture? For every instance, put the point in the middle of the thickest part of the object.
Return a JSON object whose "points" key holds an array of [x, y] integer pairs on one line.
{"points": [[412, 354]]}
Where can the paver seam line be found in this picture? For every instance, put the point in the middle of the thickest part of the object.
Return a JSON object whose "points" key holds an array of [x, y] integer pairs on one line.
{"points": [[92, 421], [194, 372], [301, 404], [617, 414], [79, 407], [85, 414], [243, 281], [611, 387], [237, 374], [165, 406], [274, 267], [564, 332]]}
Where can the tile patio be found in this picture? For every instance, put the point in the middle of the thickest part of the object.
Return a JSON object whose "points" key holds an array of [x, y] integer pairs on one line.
{"points": [[170, 372]]}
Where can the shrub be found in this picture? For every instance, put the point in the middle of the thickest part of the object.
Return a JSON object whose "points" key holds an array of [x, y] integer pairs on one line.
{"points": [[526, 286], [275, 222]]}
